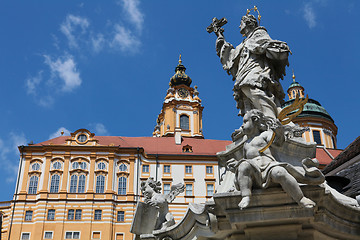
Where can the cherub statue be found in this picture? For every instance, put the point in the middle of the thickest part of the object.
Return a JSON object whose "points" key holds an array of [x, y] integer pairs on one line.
{"points": [[153, 197], [259, 168]]}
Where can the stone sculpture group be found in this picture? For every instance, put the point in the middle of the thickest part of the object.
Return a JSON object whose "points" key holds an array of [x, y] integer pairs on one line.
{"points": [[267, 150]]}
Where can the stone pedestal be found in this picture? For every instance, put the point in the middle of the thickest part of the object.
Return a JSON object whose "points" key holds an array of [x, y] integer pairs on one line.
{"points": [[272, 214]]}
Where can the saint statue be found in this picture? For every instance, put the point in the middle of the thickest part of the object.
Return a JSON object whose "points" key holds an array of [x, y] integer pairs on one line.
{"points": [[256, 65]]}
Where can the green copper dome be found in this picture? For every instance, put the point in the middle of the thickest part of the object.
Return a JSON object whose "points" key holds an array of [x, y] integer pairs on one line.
{"points": [[311, 109], [294, 84]]}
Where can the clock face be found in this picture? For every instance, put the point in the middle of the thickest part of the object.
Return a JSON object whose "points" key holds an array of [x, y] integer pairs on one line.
{"points": [[183, 93]]}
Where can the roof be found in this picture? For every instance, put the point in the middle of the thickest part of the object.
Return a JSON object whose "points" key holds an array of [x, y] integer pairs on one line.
{"points": [[167, 146], [349, 153], [311, 109], [154, 145], [325, 155], [294, 84]]}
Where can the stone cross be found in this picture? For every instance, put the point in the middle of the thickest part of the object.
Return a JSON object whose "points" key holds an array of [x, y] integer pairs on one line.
{"points": [[216, 25]]}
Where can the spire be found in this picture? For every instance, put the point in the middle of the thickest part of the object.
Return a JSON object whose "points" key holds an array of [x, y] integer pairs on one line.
{"points": [[180, 76], [293, 76]]}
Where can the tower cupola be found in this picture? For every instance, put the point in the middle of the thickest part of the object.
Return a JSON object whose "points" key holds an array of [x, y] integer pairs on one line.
{"points": [[295, 89], [181, 114], [180, 76]]}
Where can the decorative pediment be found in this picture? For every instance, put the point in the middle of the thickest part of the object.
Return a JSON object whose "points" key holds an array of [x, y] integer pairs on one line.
{"points": [[82, 137]]}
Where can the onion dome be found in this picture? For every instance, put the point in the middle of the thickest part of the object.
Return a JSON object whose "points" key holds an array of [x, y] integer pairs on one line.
{"points": [[180, 77]]}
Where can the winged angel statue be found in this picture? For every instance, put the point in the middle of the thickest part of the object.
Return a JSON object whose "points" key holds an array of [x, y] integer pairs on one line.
{"points": [[153, 197]]}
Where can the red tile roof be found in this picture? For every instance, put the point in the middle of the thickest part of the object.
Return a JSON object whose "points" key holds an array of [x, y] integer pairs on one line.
{"points": [[349, 153], [323, 156], [154, 145], [166, 145]]}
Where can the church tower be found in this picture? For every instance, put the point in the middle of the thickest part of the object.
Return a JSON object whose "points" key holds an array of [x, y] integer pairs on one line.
{"points": [[181, 114], [321, 126]]}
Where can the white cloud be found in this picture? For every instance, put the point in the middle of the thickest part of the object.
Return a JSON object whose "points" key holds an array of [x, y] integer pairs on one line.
{"points": [[65, 69], [99, 129], [131, 7], [309, 15], [32, 83], [98, 42], [9, 155], [124, 40], [71, 25], [58, 133]]}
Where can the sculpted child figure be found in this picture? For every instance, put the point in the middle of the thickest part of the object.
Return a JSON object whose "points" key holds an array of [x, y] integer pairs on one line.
{"points": [[153, 197], [260, 168]]}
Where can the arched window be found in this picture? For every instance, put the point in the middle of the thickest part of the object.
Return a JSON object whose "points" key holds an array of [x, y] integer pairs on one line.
{"points": [[100, 184], [83, 165], [35, 167], [33, 183], [75, 165], [57, 165], [81, 185], [54, 185], [101, 166], [122, 167], [73, 183], [122, 186], [184, 122]]}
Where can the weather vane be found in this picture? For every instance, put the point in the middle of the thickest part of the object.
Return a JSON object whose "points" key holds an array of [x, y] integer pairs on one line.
{"points": [[255, 10]]}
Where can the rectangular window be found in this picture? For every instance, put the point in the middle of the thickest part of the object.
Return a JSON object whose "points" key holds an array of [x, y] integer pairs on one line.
{"points": [[119, 236], [100, 184], [96, 235], [210, 189], [97, 215], [76, 235], [166, 188], [78, 214], [48, 235], [28, 215], [120, 216], [122, 186], [72, 235], [51, 214], [317, 138], [70, 214], [25, 236], [166, 168], [189, 190], [145, 168], [209, 169], [188, 169]]}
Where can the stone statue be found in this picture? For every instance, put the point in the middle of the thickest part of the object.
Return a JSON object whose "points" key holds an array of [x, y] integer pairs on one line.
{"points": [[259, 167], [153, 197], [256, 65]]}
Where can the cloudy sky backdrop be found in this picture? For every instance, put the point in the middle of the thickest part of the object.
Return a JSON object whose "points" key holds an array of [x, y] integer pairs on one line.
{"points": [[106, 65]]}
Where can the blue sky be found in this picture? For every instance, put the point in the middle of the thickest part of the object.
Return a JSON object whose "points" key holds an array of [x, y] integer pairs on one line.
{"points": [[106, 65]]}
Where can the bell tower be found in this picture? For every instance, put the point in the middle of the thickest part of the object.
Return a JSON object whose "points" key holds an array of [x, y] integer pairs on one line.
{"points": [[181, 114]]}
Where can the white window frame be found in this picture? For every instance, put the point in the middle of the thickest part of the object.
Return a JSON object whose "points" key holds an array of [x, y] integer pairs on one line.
{"points": [[92, 234], [22, 234], [52, 234], [72, 234]]}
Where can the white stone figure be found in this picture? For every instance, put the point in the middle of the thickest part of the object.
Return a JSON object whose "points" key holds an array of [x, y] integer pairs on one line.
{"points": [[256, 65], [153, 197], [261, 169]]}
